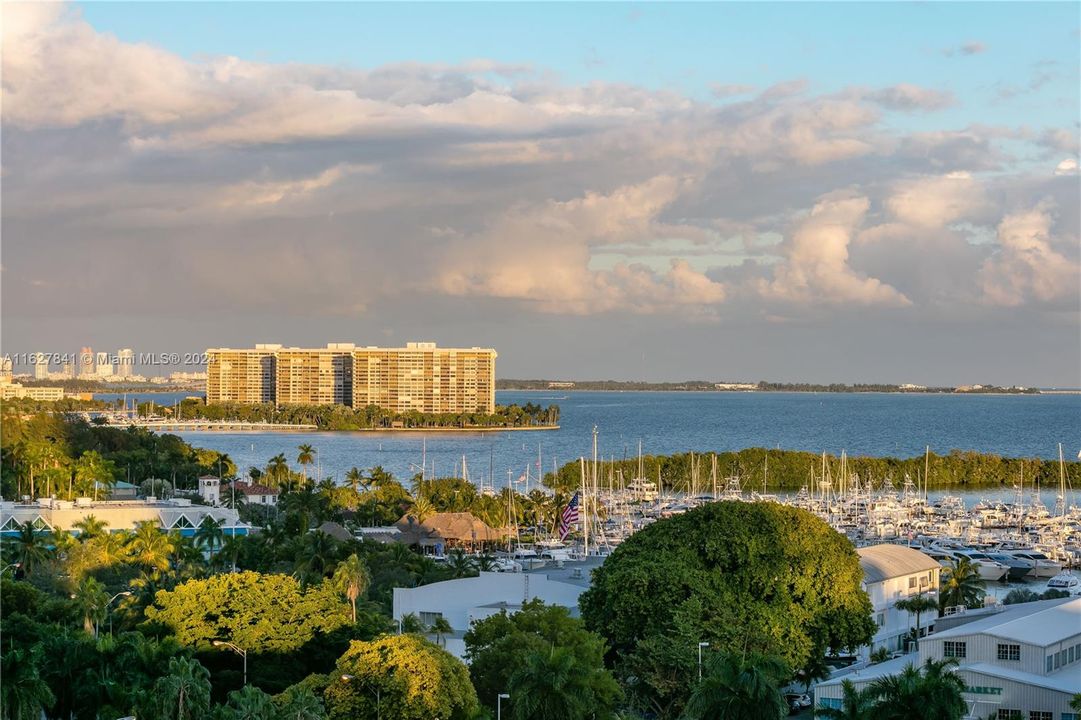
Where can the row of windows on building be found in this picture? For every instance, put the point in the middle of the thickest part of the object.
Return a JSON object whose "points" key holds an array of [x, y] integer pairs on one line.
{"points": [[1005, 651], [1007, 714], [1063, 657]]}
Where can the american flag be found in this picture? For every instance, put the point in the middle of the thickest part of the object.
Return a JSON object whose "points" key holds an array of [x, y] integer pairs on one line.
{"points": [[569, 517]]}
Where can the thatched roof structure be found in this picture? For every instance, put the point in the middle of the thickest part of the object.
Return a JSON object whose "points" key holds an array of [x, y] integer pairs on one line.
{"points": [[452, 528]]}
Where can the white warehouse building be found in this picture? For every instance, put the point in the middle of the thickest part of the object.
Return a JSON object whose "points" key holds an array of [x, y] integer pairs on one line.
{"points": [[460, 602], [1021, 662]]}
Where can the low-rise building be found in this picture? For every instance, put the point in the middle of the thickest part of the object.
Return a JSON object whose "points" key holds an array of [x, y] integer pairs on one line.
{"points": [[892, 573], [179, 514], [1018, 662], [461, 602]]}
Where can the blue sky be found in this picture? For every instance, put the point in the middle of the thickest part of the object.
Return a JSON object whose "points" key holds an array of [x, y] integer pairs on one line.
{"points": [[686, 46]]}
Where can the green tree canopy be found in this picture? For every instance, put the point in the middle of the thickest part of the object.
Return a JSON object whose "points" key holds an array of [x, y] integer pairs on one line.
{"points": [[260, 613], [746, 577], [501, 645], [399, 676]]}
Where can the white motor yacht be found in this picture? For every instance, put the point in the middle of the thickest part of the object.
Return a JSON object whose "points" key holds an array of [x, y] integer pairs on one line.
{"points": [[1065, 581], [989, 569], [1042, 566]]}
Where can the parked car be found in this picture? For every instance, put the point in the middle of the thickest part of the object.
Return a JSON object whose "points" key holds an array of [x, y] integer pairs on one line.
{"points": [[797, 702]]}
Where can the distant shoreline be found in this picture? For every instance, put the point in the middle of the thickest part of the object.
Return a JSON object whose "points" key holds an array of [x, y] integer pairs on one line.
{"points": [[719, 391]]}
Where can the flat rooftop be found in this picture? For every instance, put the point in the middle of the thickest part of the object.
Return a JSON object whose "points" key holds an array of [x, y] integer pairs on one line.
{"points": [[1036, 623]]}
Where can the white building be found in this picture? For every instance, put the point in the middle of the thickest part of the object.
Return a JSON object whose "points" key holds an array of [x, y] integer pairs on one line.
{"points": [[47, 515], [125, 363], [104, 365], [462, 601], [210, 490], [892, 573], [1018, 662], [41, 366]]}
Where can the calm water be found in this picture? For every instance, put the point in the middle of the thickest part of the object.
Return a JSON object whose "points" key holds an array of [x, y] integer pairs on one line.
{"points": [[865, 424]]}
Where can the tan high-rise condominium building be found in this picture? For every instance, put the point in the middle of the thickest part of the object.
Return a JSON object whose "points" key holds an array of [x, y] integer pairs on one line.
{"points": [[420, 377], [241, 376], [425, 378], [322, 376]]}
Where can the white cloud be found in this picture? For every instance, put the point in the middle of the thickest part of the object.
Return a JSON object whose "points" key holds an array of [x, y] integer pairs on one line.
{"points": [[1026, 264], [935, 201], [541, 254], [1067, 167], [816, 268]]}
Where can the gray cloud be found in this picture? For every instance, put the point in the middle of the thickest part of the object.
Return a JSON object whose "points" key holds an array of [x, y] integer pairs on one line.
{"points": [[244, 201]]}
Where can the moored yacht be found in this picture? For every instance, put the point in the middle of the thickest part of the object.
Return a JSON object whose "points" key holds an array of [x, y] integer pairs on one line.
{"points": [[1065, 581], [1040, 564]]}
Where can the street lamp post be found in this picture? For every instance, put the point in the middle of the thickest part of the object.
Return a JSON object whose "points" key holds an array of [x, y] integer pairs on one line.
{"points": [[499, 705], [239, 651], [700, 646], [15, 565], [114, 597]]}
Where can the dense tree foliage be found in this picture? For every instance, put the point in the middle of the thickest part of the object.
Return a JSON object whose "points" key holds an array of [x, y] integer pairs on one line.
{"points": [[518, 651], [259, 613], [342, 417], [400, 676], [45, 453], [789, 470], [745, 577]]}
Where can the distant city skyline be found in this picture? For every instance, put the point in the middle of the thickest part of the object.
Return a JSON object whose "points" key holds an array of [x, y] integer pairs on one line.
{"points": [[874, 192]]}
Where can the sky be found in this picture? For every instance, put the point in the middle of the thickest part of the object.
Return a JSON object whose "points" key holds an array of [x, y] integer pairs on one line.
{"points": [[872, 192]]}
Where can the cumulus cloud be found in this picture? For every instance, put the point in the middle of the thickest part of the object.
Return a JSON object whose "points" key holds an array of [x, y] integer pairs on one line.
{"points": [[541, 254], [936, 201], [473, 182], [1026, 264], [816, 265]]}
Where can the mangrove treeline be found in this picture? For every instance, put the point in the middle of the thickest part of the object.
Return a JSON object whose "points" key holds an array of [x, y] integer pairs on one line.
{"points": [[342, 417], [789, 470]]}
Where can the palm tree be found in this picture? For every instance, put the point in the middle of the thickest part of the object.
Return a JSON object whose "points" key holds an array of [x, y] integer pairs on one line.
{"points": [[109, 549], [354, 476], [92, 471], [90, 598], [460, 564], [182, 694], [209, 535], [278, 467], [740, 688], [30, 550], [917, 604], [23, 694], [411, 623], [933, 694], [305, 458], [90, 527], [422, 509], [551, 684], [856, 704], [150, 547], [961, 585], [316, 554], [440, 628], [353, 579], [301, 704], [251, 703]]}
